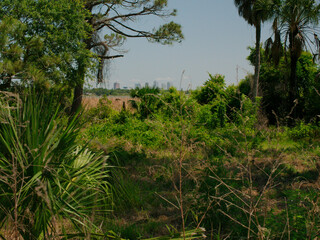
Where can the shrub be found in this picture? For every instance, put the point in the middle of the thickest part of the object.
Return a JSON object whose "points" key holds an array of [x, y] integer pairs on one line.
{"points": [[213, 88], [213, 94], [102, 111], [177, 104], [247, 115], [303, 130], [212, 115], [148, 102]]}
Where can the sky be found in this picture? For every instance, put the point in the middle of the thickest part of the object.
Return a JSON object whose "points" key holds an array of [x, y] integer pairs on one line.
{"points": [[216, 42]]}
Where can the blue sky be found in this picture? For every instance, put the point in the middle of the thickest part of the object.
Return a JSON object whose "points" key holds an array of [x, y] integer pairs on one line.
{"points": [[216, 41]]}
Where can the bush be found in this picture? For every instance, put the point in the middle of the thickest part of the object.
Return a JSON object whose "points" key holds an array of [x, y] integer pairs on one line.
{"points": [[148, 101], [213, 95], [213, 88], [303, 130], [177, 104], [102, 111], [212, 115]]}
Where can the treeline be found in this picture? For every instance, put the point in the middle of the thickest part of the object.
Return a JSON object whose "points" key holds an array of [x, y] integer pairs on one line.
{"points": [[221, 100], [276, 101], [284, 75], [106, 92]]}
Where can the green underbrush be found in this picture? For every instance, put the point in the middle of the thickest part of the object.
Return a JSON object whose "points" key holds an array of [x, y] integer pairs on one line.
{"points": [[226, 171]]}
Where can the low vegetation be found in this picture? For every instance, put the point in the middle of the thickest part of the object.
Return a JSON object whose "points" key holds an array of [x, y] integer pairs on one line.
{"points": [[218, 162], [169, 165], [188, 163]]}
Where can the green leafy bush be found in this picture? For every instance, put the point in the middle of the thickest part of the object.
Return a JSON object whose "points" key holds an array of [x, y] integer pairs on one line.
{"points": [[213, 114], [102, 111], [147, 101], [176, 104], [247, 115], [302, 213], [212, 94], [213, 88], [303, 130]]}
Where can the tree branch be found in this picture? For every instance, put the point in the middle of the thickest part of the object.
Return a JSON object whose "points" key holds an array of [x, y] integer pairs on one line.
{"points": [[110, 57]]}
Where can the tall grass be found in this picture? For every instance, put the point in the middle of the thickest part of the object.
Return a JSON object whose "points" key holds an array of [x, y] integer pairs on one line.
{"points": [[45, 176]]}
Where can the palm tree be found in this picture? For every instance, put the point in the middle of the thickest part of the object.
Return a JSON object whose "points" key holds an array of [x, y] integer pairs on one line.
{"points": [[255, 14], [297, 21]]}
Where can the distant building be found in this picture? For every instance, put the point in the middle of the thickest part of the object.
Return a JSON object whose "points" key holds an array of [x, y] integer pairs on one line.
{"points": [[169, 85], [137, 85], [163, 86], [146, 85], [155, 84], [125, 87], [116, 85]]}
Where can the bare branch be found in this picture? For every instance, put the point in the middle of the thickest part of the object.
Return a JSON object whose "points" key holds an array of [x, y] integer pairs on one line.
{"points": [[110, 57]]}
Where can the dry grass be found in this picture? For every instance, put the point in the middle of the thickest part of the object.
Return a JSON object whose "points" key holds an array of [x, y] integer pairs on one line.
{"points": [[117, 102], [7, 231]]}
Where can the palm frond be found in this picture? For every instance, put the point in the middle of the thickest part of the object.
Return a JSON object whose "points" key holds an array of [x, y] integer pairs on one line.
{"points": [[44, 172]]}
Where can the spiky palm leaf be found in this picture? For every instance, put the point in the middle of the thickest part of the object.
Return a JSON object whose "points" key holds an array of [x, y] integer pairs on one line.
{"points": [[45, 176], [297, 24]]}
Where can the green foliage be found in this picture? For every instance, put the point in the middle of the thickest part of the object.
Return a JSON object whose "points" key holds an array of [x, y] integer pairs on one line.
{"points": [[46, 177], [176, 104], [212, 88], [102, 111], [302, 214], [213, 94], [47, 48], [244, 86], [274, 87], [303, 131], [145, 133], [293, 27], [212, 115], [308, 81], [168, 33], [225, 169], [147, 101], [248, 112]]}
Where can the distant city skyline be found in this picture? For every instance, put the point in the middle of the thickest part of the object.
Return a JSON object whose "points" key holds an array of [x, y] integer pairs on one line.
{"points": [[117, 85], [216, 42]]}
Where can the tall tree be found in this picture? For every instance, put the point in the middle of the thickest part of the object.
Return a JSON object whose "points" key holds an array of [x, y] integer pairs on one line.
{"points": [[297, 20], [114, 20], [41, 41], [255, 14]]}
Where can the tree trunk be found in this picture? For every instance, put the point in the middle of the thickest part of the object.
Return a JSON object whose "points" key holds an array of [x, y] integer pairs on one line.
{"points": [[293, 90], [77, 98], [293, 79], [78, 89], [255, 90]]}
